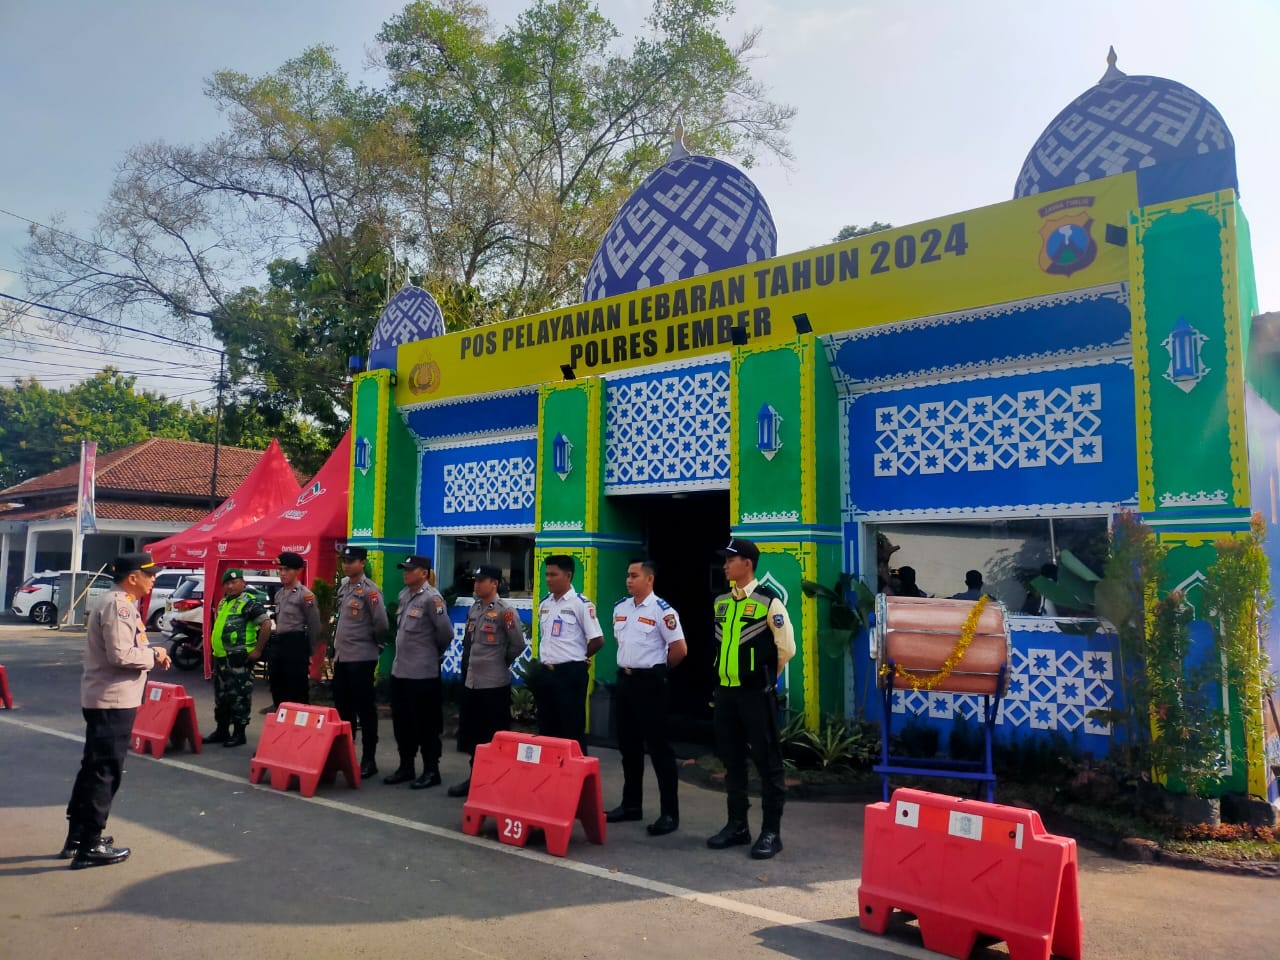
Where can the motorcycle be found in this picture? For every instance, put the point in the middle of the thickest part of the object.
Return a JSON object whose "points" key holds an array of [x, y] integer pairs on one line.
{"points": [[186, 646]]}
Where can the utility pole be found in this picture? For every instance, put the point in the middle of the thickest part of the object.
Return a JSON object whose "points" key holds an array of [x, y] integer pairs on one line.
{"points": [[217, 432]]}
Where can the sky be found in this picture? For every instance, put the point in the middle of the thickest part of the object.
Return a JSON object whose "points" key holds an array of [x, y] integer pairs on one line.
{"points": [[908, 109]]}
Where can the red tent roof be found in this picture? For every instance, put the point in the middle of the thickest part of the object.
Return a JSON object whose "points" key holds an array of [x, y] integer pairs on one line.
{"points": [[269, 484], [311, 524]]}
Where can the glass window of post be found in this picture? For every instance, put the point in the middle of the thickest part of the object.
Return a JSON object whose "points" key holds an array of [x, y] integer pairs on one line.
{"points": [[939, 558], [510, 552]]}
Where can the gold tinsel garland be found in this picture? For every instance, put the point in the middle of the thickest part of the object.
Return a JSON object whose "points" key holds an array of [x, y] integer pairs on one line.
{"points": [[967, 632]]}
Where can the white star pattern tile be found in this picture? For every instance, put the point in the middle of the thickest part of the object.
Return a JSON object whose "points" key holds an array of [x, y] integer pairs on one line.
{"points": [[1023, 430], [667, 428]]}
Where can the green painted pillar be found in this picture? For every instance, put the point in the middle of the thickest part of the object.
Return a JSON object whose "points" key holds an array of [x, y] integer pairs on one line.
{"points": [[573, 515], [1193, 472], [384, 473], [785, 495]]}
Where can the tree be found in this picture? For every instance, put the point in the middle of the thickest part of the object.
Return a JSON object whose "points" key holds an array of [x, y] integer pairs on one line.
{"points": [[530, 138], [853, 230], [41, 430], [494, 158]]}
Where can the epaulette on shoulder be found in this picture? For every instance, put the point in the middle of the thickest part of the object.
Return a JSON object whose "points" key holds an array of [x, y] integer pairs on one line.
{"points": [[545, 598], [585, 599], [621, 600], [663, 605], [767, 591]]}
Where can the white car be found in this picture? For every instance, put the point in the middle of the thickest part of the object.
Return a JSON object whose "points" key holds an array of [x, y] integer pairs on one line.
{"points": [[166, 583], [38, 599], [183, 611]]}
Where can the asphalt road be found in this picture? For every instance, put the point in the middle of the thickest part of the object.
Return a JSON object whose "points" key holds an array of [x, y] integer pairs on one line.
{"points": [[221, 867]]}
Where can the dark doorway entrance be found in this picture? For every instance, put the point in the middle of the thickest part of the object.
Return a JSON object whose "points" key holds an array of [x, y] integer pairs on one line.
{"points": [[682, 533]]}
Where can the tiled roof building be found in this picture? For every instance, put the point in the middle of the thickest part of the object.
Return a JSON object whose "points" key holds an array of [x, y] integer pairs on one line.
{"points": [[144, 492]]}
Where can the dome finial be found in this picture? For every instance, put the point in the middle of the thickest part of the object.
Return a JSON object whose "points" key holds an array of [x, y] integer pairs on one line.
{"points": [[1112, 72], [678, 149]]}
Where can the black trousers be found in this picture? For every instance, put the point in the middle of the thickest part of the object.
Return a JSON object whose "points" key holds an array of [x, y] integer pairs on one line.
{"points": [[353, 696], [106, 742], [561, 697], [417, 719], [289, 662], [642, 725], [482, 713], [747, 721]]}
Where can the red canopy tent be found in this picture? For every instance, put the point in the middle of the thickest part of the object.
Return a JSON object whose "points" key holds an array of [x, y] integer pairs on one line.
{"points": [[269, 484], [313, 524]]}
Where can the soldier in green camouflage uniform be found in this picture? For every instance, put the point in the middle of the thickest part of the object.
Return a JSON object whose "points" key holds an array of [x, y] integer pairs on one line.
{"points": [[240, 623]]}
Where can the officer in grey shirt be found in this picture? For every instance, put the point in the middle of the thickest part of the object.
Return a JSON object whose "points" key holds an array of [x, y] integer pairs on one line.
{"points": [[297, 632], [423, 634], [357, 640], [491, 641]]}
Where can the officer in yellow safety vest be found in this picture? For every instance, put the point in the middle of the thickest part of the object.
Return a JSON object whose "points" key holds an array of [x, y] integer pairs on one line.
{"points": [[754, 641], [240, 623]]}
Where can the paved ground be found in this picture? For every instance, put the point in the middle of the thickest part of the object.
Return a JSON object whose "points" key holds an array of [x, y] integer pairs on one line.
{"points": [[220, 865]]}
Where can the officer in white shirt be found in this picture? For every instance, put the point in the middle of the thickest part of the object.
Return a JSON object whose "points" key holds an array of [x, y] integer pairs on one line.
{"points": [[569, 634], [650, 642]]}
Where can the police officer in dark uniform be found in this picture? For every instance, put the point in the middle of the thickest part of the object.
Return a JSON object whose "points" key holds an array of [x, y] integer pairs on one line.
{"points": [[296, 633], [650, 641], [423, 634], [357, 640], [754, 641], [491, 641], [237, 622]]}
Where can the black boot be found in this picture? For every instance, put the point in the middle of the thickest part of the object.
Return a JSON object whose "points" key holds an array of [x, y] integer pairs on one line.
{"points": [[237, 738], [71, 845], [368, 766], [218, 736], [98, 852], [460, 789]]}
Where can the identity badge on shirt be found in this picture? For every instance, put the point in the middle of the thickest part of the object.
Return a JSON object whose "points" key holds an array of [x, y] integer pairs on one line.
{"points": [[557, 625]]}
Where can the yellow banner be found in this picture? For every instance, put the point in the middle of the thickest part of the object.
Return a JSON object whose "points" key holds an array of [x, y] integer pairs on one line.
{"points": [[1024, 248]]}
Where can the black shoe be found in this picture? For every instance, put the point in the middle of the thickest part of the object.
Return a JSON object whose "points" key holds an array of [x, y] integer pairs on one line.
{"points": [[367, 769], [100, 854], [768, 845], [732, 834], [622, 812], [430, 778], [265, 710], [402, 775], [237, 739], [460, 789], [218, 736], [663, 825], [72, 846]]}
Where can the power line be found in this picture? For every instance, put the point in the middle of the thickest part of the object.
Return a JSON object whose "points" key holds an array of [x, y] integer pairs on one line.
{"points": [[107, 323], [150, 372], [52, 344]]}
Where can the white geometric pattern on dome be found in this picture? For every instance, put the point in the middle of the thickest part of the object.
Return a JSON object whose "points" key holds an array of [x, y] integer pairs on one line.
{"points": [[667, 430], [1122, 123], [691, 216], [411, 315]]}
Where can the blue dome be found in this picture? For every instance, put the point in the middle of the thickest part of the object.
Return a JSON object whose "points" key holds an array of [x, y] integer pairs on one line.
{"points": [[1134, 123], [412, 314], [693, 215]]}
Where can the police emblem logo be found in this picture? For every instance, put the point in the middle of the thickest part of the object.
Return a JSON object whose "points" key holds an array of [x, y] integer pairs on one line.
{"points": [[779, 620], [1067, 243], [425, 376], [670, 621]]}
